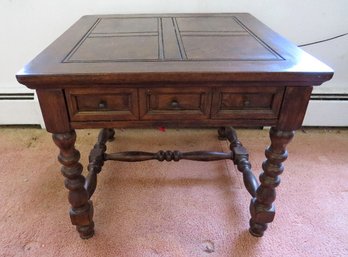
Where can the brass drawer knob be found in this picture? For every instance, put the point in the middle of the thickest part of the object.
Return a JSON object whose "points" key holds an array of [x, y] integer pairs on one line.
{"points": [[102, 105], [246, 102], [175, 104]]}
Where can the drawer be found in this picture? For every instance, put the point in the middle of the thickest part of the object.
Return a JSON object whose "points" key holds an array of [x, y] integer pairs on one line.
{"points": [[247, 102], [174, 103], [102, 104]]}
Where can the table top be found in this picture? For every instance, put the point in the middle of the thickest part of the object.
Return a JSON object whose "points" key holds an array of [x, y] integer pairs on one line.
{"points": [[171, 47]]}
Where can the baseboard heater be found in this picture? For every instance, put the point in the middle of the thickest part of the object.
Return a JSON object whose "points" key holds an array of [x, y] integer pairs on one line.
{"points": [[19, 108], [323, 110], [16, 96], [329, 97], [329, 110]]}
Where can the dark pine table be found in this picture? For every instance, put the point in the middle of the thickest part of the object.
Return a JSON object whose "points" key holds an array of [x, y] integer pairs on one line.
{"points": [[173, 70]]}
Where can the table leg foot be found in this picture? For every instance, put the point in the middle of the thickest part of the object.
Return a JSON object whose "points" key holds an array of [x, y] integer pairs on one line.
{"points": [[262, 209], [257, 229], [81, 212], [86, 232]]}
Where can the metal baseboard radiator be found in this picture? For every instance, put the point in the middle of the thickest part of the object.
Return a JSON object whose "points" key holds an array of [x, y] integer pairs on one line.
{"points": [[329, 97], [327, 110], [16, 96], [19, 109]]}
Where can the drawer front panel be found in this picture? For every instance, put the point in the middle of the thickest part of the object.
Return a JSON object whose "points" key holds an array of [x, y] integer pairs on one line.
{"points": [[247, 102], [174, 103], [102, 104]]}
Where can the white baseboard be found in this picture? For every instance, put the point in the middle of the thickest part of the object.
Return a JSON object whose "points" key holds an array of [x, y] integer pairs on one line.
{"points": [[319, 113], [19, 107], [19, 112], [331, 113]]}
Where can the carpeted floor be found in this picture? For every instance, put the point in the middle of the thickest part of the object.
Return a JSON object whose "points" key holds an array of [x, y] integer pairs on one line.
{"points": [[174, 209]]}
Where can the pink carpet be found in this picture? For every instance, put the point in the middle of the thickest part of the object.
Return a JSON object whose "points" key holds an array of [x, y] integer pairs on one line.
{"points": [[174, 209]]}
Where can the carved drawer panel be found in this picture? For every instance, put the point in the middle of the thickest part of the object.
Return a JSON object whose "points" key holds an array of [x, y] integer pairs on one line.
{"points": [[174, 103], [102, 104], [247, 102]]}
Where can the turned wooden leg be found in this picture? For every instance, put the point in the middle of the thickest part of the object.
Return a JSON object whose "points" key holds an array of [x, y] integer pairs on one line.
{"points": [[81, 212], [96, 159], [111, 134], [222, 133], [261, 207], [240, 158]]}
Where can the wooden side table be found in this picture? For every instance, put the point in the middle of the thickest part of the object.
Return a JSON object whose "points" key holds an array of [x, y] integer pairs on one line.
{"points": [[175, 70]]}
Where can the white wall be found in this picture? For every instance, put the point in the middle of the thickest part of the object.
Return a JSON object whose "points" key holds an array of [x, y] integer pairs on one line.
{"points": [[30, 25]]}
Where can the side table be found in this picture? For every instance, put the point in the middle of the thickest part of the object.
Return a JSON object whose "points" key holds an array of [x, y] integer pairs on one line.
{"points": [[173, 70]]}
